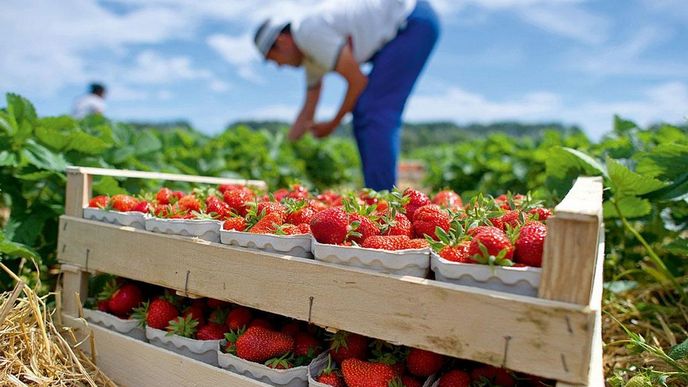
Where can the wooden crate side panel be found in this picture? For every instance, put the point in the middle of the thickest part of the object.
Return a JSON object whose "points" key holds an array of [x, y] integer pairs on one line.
{"points": [[164, 176], [526, 334], [133, 363]]}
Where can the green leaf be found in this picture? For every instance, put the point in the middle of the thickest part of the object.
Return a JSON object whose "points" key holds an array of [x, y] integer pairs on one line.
{"points": [[625, 182], [107, 185], [663, 161], [20, 108], [35, 176], [588, 161], [631, 207], [7, 159], [42, 158], [16, 250], [55, 132], [676, 191], [622, 126], [147, 142], [678, 246], [86, 143], [679, 351]]}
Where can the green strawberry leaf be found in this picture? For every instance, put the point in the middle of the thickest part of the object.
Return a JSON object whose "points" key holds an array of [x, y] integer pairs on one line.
{"points": [[678, 246], [622, 126], [631, 207], [679, 351], [625, 182], [662, 161]]}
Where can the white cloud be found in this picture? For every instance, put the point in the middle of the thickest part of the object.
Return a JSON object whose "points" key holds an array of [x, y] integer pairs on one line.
{"points": [[664, 102], [238, 51], [152, 68], [568, 21]]}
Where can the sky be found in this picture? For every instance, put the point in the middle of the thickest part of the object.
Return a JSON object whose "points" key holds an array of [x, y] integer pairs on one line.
{"points": [[572, 61]]}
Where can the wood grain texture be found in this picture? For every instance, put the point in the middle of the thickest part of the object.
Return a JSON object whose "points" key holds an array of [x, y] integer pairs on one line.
{"points": [[78, 192], [133, 363], [541, 337]]}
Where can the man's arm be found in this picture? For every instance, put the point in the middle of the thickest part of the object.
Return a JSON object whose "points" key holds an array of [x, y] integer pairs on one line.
{"points": [[305, 117], [356, 80]]}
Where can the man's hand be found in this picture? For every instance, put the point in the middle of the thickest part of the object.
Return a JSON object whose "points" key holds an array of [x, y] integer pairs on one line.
{"points": [[324, 129], [299, 128]]}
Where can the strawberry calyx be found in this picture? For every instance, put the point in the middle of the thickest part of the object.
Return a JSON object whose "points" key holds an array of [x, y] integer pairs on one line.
{"points": [[280, 363], [183, 326]]}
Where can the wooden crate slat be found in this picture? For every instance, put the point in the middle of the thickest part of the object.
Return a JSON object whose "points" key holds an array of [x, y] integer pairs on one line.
{"points": [[87, 171], [583, 202], [547, 338], [131, 362]]}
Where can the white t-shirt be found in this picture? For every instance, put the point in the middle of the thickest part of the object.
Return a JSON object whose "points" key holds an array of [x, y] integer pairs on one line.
{"points": [[87, 105], [370, 24]]}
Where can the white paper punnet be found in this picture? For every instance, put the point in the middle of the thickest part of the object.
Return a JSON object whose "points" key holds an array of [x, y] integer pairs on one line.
{"points": [[129, 219], [413, 262], [206, 229], [201, 350], [517, 280], [292, 377], [129, 327], [294, 245]]}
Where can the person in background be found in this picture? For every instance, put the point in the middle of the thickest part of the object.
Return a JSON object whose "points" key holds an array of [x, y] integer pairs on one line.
{"points": [[395, 36], [91, 103]]}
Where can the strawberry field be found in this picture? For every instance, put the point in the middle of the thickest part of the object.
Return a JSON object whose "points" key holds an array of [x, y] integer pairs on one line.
{"points": [[498, 182]]}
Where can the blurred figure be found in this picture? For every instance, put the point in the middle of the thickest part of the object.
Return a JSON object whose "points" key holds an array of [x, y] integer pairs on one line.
{"points": [[91, 103], [395, 36]]}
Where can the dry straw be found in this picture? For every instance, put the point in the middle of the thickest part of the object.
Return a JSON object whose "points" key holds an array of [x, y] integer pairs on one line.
{"points": [[33, 351]]}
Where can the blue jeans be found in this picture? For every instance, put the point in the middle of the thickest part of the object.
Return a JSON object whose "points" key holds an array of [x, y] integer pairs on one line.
{"points": [[377, 114]]}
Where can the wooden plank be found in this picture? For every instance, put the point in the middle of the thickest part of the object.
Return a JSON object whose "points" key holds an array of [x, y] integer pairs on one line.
{"points": [[526, 334], [74, 281], [164, 176], [131, 362], [571, 247], [78, 192]]}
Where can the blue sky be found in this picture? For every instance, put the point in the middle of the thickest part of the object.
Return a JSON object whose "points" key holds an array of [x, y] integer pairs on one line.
{"points": [[573, 61]]}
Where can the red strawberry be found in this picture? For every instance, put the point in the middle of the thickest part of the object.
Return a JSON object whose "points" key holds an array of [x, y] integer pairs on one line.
{"points": [[291, 328], [427, 218], [330, 226], [260, 322], [455, 378], [494, 240], [387, 242], [448, 199], [457, 253], [287, 229], [298, 192], [417, 243], [401, 225], [511, 218], [530, 244], [189, 203], [100, 201], [227, 187], [417, 199], [423, 363], [215, 304], [473, 231], [304, 228], [410, 381], [366, 228], [270, 207], [303, 214], [164, 196], [258, 344], [142, 206], [103, 306], [238, 199], [211, 331], [359, 373], [306, 345], [124, 299], [540, 214], [217, 208], [197, 312], [330, 375], [123, 203], [280, 194], [268, 224], [347, 345], [238, 318], [160, 313], [234, 223], [496, 376]]}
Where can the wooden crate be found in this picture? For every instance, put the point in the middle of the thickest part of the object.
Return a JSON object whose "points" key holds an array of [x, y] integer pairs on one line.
{"points": [[556, 336]]}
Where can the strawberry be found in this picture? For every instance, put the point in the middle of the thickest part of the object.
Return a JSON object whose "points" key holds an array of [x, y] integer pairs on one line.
{"points": [[455, 378], [458, 253], [227, 187], [100, 201], [125, 299], [260, 322], [280, 194], [347, 345], [183, 326], [427, 218], [268, 223], [304, 228], [387, 242], [530, 244], [360, 373], [234, 223], [298, 192], [197, 312], [511, 218], [160, 313], [491, 242], [330, 226], [189, 203], [238, 318], [399, 225], [330, 375], [306, 345], [164, 196], [258, 344], [287, 229], [493, 375], [299, 212], [417, 243], [211, 331], [416, 199], [216, 304], [423, 363], [238, 199], [142, 206], [330, 198], [473, 231], [123, 203], [291, 328], [363, 228], [410, 381], [217, 208], [448, 199], [270, 207], [540, 213]]}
